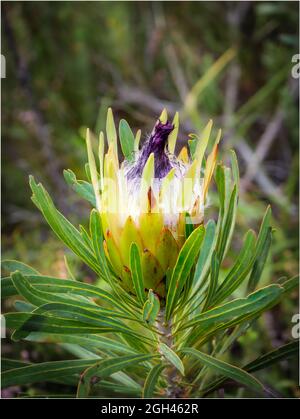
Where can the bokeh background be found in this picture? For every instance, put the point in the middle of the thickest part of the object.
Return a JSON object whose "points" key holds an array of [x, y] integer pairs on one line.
{"points": [[66, 62]]}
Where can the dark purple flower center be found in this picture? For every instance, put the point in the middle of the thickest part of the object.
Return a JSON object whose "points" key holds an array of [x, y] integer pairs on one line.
{"points": [[156, 143]]}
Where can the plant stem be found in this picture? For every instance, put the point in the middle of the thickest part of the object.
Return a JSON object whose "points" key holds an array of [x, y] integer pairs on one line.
{"points": [[174, 389]]}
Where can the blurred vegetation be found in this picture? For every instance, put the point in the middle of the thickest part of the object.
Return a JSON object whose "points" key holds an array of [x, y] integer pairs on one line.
{"points": [[229, 61]]}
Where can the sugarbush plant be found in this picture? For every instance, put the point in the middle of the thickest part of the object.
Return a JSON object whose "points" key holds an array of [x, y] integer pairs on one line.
{"points": [[161, 317]]}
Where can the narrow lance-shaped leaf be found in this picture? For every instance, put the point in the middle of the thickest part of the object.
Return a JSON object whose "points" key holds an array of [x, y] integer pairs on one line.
{"points": [[182, 268], [136, 273], [210, 164], [235, 309], [221, 367], [264, 361], [93, 169], [291, 284], [81, 187], [192, 142], [214, 274], [45, 371], [239, 271], [203, 263], [111, 132], [105, 368], [151, 380], [236, 177], [202, 268], [101, 159], [260, 261], [88, 172], [97, 241], [228, 225], [40, 298], [10, 364], [172, 357], [221, 185], [235, 169], [126, 139], [151, 308], [163, 116], [173, 135], [92, 342], [202, 143], [30, 322], [146, 183], [61, 226], [58, 286], [262, 248], [137, 139], [14, 265], [286, 351]]}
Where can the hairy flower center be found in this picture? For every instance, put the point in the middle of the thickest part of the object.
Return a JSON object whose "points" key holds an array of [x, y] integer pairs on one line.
{"points": [[155, 144]]}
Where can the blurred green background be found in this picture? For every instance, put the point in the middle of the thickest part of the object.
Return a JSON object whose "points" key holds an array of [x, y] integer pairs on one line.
{"points": [[66, 62]]}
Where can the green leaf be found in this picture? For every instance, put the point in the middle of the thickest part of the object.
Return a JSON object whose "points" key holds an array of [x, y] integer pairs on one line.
{"points": [[174, 133], [10, 364], [238, 307], [221, 185], [214, 274], [204, 259], [264, 361], [23, 306], [81, 187], [61, 286], [221, 367], [68, 323], [111, 132], [85, 237], [92, 342], [260, 261], [136, 273], [116, 388], [172, 357], [232, 313], [261, 250], [126, 139], [37, 297], [83, 353], [46, 371], [105, 368], [77, 309], [291, 284], [137, 140], [235, 169], [182, 269], [151, 308], [97, 242], [14, 265], [203, 142], [67, 302], [151, 381], [64, 230], [88, 172], [239, 271], [163, 116], [188, 225], [192, 147], [228, 225], [93, 169], [286, 351]]}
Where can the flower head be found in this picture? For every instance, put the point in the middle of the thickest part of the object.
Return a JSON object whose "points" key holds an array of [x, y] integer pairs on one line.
{"points": [[150, 198]]}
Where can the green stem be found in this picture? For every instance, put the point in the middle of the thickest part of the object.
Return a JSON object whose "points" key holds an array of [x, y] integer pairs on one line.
{"points": [[174, 389]]}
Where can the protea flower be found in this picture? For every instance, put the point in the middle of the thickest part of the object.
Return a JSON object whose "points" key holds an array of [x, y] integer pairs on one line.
{"points": [[153, 198]]}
